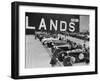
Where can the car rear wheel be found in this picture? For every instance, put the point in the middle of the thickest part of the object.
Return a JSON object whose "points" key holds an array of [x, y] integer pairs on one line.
{"points": [[87, 61]]}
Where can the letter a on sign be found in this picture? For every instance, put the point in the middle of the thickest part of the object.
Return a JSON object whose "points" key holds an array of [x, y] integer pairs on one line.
{"points": [[42, 24]]}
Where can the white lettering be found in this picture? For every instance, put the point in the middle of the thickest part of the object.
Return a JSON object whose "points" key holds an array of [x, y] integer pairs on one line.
{"points": [[27, 26], [53, 25], [42, 24], [65, 24], [71, 26]]}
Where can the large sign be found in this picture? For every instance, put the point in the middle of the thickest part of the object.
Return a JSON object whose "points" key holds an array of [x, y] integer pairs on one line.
{"points": [[52, 22]]}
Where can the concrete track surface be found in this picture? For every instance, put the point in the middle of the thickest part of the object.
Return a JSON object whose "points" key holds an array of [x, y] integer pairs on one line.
{"points": [[36, 55]]}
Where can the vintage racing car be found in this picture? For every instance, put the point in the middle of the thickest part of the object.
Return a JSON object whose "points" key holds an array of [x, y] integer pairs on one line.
{"points": [[69, 55]]}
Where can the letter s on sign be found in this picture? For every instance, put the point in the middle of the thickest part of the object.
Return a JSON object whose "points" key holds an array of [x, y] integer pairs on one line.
{"points": [[71, 27]]}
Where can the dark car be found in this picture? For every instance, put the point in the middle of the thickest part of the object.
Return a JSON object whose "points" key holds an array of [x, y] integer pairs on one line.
{"points": [[69, 55], [76, 56]]}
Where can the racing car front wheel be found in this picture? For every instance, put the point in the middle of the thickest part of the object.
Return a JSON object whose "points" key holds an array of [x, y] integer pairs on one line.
{"points": [[67, 61], [61, 56]]}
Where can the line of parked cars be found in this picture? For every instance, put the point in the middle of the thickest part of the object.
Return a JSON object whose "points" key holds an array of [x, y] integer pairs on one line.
{"points": [[82, 36], [64, 50]]}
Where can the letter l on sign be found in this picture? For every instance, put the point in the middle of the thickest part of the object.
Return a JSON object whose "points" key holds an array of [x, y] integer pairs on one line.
{"points": [[29, 27]]}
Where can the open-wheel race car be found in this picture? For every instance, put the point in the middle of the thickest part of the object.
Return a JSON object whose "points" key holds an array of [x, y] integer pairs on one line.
{"points": [[39, 35], [48, 40]]}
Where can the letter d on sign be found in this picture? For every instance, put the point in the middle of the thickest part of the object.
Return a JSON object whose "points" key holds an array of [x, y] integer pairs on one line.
{"points": [[65, 24]]}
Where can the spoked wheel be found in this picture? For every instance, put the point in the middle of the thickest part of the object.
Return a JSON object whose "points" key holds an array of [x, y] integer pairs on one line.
{"points": [[61, 56], [68, 61]]}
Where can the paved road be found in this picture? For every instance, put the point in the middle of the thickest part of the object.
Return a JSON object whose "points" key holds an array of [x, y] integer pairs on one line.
{"points": [[36, 55]]}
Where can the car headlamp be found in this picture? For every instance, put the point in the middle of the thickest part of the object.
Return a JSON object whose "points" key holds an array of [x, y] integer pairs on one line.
{"points": [[81, 56]]}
